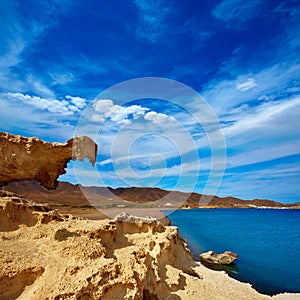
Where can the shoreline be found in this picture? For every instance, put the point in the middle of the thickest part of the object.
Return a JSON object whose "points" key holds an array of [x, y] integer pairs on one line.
{"points": [[282, 295], [113, 257], [92, 213]]}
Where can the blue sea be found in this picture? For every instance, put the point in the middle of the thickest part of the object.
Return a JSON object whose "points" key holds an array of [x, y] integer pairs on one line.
{"points": [[266, 240]]}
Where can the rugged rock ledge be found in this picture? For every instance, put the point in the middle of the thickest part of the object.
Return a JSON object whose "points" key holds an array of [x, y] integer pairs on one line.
{"points": [[33, 159], [45, 255]]}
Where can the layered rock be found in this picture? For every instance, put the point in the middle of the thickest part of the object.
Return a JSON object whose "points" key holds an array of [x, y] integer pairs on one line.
{"points": [[225, 258], [45, 255], [65, 258], [33, 159]]}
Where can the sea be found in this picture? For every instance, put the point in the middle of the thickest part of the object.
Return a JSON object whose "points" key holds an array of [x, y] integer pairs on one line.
{"points": [[267, 242]]}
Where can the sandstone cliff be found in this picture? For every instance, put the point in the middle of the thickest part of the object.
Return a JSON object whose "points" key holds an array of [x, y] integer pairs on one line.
{"points": [[33, 159], [45, 255]]}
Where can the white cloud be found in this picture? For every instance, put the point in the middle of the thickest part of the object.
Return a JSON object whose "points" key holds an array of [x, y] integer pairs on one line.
{"points": [[77, 101], [158, 118], [105, 106], [261, 115], [250, 83], [106, 109], [52, 105], [34, 122], [61, 107], [263, 98], [121, 113]]}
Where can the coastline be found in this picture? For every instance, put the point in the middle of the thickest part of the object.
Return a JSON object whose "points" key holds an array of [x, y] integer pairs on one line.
{"points": [[221, 280], [108, 257], [221, 273]]}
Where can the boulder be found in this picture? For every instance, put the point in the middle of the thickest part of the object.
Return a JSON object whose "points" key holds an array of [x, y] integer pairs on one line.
{"points": [[225, 258]]}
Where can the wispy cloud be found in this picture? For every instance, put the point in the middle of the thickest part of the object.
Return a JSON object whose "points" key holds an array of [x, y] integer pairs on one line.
{"points": [[61, 79], [18, 35], [263, 155], [250, 83], [277, 181], [38, 87], [61, 107], [275, 82], [262, 115]]}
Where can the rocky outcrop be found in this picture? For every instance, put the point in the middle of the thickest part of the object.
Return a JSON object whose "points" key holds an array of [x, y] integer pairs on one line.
{"points": [[45, 255], [15, 212], [33, 159], [68, 258], [125, 217], [225, 258]]}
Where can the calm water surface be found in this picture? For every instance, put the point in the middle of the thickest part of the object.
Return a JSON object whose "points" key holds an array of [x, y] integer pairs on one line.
{"points": [[266, 240]]}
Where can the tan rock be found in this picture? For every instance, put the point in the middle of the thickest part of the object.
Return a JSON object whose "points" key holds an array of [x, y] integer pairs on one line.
{"points": [[68, 258], [225, 258], [33, 159]]}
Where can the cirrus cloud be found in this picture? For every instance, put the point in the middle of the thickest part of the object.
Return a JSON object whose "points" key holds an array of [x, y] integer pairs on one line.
{"points": [[249, 84]]}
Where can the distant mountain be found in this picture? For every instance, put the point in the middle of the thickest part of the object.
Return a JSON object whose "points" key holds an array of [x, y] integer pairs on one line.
{"points": [[235, 202], [68, 194]]}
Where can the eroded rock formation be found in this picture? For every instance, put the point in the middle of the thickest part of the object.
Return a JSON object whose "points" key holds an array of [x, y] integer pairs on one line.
{"points": [[108, 259], [33, 159], [225, 258], [45, 255]]}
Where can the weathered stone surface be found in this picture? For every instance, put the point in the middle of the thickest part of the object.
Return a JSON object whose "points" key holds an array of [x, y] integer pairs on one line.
{"points": [[125, 217], [46, 255], [68, 258], [225, 258], [24, 158]]}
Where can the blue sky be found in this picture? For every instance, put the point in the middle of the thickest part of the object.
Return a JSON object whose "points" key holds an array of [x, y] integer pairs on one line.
{"points": [[56, 57]]}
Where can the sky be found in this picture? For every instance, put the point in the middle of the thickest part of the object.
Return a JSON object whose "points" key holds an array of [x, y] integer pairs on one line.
{"points": [[225, 120]]}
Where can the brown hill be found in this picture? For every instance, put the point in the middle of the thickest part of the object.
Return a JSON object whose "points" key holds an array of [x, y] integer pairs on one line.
{"points": [[65, 194], [140, 194], [76, 195], [236, 202]]}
